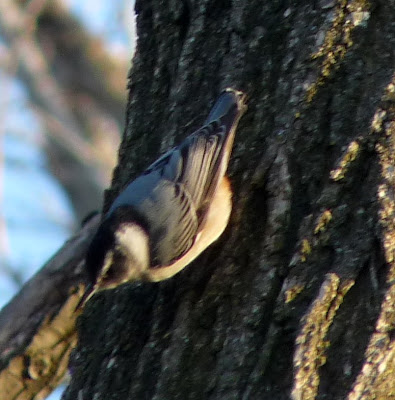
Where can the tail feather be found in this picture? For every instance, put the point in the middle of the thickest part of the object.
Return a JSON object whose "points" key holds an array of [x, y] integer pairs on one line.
{"points": [[228, 100]]}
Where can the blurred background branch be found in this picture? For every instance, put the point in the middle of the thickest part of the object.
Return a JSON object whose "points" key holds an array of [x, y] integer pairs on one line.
{"points": [[76, 87]]}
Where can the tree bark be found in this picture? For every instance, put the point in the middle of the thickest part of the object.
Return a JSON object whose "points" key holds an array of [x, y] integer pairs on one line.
{"points": [[296, 299]]}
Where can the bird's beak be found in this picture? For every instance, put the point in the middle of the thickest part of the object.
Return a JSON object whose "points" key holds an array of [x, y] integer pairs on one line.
{"points": [[89, 292]]}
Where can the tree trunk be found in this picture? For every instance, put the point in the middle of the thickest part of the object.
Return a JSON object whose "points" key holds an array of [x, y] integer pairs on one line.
{"points": [[296, 298]]}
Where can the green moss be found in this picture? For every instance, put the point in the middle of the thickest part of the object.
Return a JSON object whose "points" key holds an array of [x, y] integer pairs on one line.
{"points": [[324, 220], [306, 249], [291, 293], [350, 155], [312, 345], [338, 39]]}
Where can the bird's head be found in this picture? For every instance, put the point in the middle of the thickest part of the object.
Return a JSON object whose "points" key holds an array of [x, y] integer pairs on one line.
{"points": [[118, 253]]}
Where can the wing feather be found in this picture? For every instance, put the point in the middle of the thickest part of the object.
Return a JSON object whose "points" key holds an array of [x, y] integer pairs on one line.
{"points": [[174, 193], [194, 170]]}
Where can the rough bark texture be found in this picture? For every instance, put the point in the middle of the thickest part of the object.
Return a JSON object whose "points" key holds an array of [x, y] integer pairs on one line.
{"points": [[296, 298]]}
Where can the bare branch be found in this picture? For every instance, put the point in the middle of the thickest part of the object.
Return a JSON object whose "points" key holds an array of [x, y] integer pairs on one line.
{"points": [[76, 87], [38, 325]]}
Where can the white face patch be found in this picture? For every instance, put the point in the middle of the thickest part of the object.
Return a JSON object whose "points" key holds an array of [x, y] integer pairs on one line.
{"points": [[132, 241]]}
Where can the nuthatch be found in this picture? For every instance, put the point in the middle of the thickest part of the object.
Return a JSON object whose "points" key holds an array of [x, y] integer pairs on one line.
{"points": [[167, 216]]}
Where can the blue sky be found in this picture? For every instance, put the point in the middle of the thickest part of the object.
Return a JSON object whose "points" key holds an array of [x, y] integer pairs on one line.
{"points": [[36, 212]]}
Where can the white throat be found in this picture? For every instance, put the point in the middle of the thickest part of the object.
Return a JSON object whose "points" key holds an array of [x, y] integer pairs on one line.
{"points": [[133, 241]]}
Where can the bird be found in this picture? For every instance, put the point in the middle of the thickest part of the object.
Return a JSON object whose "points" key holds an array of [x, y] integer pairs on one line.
{"points": [[173, 211]]}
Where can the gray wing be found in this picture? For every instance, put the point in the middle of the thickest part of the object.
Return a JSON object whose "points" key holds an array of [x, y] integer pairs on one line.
{"points": [[195, 164], [200, 161], [174, 193]]}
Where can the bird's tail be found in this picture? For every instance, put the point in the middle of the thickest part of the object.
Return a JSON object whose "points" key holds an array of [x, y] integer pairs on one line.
{"points": [[210, 148], [230, 105], [227, 110]]}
